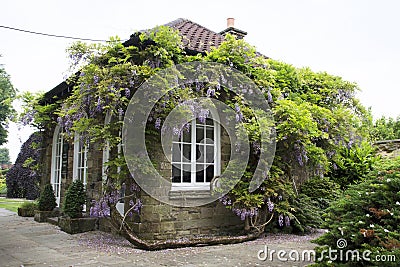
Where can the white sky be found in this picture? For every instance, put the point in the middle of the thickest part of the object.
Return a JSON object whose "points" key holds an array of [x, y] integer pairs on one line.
{"points": [[356, 39]]}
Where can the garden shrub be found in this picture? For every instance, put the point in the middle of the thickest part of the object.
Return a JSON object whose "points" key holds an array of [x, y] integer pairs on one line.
{"points": [[306, 216], [23, 178], [352, 164], [322, 190], [75, 198], [30, 208], [367, 216], [3, 185], [47, 199]]}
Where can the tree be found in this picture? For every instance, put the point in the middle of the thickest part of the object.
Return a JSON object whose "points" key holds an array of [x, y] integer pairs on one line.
{"points": [[7, 95], [4, 155], [23, 178]]}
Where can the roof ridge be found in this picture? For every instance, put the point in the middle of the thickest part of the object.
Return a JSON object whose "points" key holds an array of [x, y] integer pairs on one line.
{"points": [[176, 22], [182, 20]]}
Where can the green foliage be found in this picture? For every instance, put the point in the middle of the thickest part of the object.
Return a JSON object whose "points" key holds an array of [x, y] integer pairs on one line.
{"points": [[367, 215], [47, 199], [316, 114], [7, 95], [3, 185], [322, 190], [351, 165], [4, 155], [75, 198], [386, 129], [308, 214], [30, 207], [34, 112]]}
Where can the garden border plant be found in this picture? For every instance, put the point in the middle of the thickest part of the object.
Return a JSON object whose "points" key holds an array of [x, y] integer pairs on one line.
{"points": [[73, 221], [46, 204]]}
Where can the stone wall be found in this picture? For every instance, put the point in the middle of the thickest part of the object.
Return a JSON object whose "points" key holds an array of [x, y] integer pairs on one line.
{"points": [[388, 148], [159, 221], [95, 160]]}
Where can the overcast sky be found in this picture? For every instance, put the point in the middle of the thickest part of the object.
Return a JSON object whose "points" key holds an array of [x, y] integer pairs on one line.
{"points": [[356, 39]]}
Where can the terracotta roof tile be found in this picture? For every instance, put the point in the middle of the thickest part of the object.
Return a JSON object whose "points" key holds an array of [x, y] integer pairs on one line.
{"points": [[196, 37]]}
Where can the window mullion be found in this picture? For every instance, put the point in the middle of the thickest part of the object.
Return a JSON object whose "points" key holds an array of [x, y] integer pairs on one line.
{"points": [[193, 153]]}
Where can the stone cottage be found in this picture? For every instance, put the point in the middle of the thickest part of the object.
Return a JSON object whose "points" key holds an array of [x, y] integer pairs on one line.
{"points": [[65, 161]]}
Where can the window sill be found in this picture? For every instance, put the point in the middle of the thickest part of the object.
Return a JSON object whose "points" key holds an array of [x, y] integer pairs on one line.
{"points": [[179, 194]]}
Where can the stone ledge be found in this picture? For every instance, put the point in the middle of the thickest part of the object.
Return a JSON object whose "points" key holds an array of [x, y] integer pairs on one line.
{"points": [[189, 194]]}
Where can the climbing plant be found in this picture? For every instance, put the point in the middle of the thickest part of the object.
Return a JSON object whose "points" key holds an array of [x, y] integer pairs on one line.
{"points": [[316, 114]]}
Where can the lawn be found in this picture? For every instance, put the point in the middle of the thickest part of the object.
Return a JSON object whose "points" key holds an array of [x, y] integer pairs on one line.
{"points": [[11, 204]]}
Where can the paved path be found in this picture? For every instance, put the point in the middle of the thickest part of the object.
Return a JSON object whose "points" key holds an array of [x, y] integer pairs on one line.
{"points": [[24, 242]]}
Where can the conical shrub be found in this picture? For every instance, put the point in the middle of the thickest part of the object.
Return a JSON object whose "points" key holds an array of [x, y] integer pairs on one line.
{"points": [[47, 199], [75, 198]]}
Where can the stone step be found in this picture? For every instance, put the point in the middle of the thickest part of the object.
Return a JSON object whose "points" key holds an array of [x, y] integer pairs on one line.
{"points": [[53, 220]]}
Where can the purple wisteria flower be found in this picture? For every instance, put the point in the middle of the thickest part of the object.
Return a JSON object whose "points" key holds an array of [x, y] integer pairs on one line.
{"points": [[28, 117], [95, 79], [270, 206], [127, 92], [225, 201], [138, 206], [210, 92], [157, 123], [176, 131], [98, 106], [287, 220], [203, 115], [280, 220], [256, 147], [269, 96]]}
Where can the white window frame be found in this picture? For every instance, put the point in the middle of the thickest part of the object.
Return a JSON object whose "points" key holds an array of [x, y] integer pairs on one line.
{"points": [[106, 149], [56, 163], [106, 158], [80, 168], [193, 185]]}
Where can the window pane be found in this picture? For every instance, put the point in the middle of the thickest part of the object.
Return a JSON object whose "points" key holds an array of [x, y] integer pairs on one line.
{"points": [[198, 122], [200, 173], [186, 176], [176, 174], [209, 173], [210, 154], [186, 153], [199, 153], [186, 136], [176, 154], [210, 135], [209, 121], [199, 134]]}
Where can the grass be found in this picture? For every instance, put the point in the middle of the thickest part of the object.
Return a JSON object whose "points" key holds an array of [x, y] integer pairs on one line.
{"points": [[11, 204]]}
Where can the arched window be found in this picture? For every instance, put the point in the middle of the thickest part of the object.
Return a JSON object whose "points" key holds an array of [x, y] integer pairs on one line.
{"points": [[196, 155], [57, 162], [80, 160], [106, 158]]}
